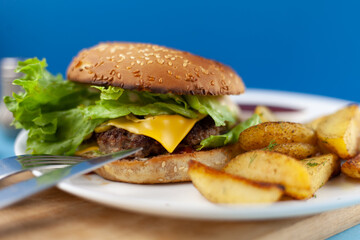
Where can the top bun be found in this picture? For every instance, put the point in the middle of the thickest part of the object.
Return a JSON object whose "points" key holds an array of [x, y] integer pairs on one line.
{"points": [[153, 68]]}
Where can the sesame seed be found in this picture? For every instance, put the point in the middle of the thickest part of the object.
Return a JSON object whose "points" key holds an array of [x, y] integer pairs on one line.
{"points": [[169, 72], [170, 63], [204, 70], [173, 58], [161, 61], [163, 164], [185, 64], [149, 62], [132, 57], [118, 76], [161, 180], [160, 80], [175, 169]]}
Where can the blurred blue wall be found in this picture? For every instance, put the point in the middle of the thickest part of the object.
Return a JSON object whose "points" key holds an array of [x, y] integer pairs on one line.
{"points": [[303, 46]]}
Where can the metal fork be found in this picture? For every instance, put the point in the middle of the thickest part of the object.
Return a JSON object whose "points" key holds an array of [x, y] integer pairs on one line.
{"points": [[16, 164]]}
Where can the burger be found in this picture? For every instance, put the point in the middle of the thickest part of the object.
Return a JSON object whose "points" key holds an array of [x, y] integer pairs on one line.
{"points": [[119, 96]]}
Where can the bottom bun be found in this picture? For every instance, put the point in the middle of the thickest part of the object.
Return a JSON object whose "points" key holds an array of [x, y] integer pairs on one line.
{"points": [[166, 168]]}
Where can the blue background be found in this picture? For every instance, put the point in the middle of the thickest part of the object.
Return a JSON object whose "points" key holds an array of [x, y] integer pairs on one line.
{"points": [[302, 46]]}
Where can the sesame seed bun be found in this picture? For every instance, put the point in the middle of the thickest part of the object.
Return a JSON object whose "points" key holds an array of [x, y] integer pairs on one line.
{"points": [[153, 68]]}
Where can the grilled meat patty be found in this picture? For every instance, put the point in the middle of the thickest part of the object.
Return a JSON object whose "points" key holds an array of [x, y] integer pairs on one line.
{"points": [[117, 139]]}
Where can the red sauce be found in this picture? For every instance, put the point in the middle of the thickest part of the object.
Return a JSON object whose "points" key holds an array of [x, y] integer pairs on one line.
{"points": [[251, 107]]}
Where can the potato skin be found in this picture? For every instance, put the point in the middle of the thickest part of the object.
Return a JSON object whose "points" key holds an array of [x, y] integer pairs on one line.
{"points": [[261, 135], [296, 150], [351, 167]]}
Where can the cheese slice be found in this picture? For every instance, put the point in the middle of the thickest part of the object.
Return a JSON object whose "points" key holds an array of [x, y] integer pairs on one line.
{"points": [[168, 130], [87, 149]]}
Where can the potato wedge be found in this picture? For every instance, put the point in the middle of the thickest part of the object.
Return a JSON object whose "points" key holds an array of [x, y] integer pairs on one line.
{"points": [[272, 167], [351, 167], [315, 123], [296, 150], [339, 132], [265, 114], [261, 135], [220, 187], [320, 169]]}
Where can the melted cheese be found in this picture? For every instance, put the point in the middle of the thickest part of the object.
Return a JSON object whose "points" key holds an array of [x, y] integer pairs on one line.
{"points": [[169, 130], [85, 150]]}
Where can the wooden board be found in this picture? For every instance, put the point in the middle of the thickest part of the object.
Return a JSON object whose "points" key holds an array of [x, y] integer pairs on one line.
{"points": [[54, 214]]}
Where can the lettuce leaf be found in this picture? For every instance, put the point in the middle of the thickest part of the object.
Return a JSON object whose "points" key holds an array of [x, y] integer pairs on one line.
{"points": [[230, 137], [115, 102], [210, 105], [48, 109]]}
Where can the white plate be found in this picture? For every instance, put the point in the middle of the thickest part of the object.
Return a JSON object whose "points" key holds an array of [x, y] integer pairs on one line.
{"points": [[184, 201]]}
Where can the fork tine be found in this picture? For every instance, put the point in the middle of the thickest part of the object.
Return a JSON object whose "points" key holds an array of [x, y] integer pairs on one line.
{"points": [[50, 163], [24, 157], [29, 160]]}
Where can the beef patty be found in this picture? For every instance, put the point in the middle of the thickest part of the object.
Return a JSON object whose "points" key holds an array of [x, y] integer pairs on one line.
{"points": [[117, 139]]}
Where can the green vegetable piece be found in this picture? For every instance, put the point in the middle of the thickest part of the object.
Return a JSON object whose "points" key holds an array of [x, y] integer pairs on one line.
{"points": [[230, 137]]}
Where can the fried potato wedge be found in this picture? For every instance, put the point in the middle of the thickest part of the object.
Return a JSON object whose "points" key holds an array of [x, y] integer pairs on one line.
{"points": [[272, 167], [315, 122], [265, 114], [339, 132], [320, 169], [220, 187], [351, 167], [261, 135], [296, 150]]}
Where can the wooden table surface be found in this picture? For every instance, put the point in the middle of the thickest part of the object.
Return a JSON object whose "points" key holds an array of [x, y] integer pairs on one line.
{"points": [[54, 214]]}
